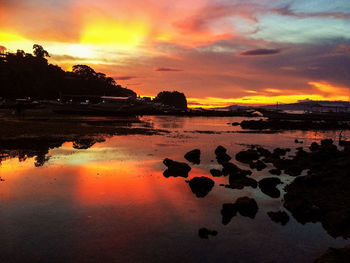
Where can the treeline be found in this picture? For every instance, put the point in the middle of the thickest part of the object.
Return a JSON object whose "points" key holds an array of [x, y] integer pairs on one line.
{"points": [[25, 75]]}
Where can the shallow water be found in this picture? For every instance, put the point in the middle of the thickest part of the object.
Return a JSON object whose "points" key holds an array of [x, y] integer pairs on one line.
{"points": [[111, 202]]}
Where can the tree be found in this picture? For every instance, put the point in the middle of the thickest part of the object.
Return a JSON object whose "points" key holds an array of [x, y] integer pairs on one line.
{"points": [[84, 71], [174, 99], [20, 53], [40, 52]]}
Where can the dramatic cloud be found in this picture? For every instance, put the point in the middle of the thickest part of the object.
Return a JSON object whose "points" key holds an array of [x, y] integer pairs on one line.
{"points": [[302, 48], [260, 52]]}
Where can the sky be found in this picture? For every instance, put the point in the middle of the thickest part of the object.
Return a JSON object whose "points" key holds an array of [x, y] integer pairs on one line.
{"points": [[218, 52]]}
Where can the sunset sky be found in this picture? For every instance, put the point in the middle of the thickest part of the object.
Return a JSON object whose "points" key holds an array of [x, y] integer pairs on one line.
{"points": [[218, 52]]}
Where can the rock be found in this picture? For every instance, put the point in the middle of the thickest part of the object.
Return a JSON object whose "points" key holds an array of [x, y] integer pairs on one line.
{"points": [[228, 211], [176, 169], [268, 186], [275, 171], [314, 147], [335, 255], [259, 165], [247, 206], [247, 156], [279, 217], [201, 186], [293, 170], [234, 171], [204, 233], [221, 155], [297, 141], [235, 124], [240, 183], [220, 149], [326, 142], [281, 151], [263, 152], [215, 172], [193, 156]]}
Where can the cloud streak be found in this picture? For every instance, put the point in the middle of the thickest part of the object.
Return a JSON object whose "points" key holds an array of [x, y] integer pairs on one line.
{"points": [[168, 69], [260, 52]]}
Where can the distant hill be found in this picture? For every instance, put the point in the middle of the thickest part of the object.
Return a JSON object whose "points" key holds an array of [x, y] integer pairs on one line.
{"points": [[25, 75], [309, 104]]}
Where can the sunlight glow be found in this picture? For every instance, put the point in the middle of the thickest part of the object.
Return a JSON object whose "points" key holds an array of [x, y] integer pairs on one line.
{"points": [[123, 35]]}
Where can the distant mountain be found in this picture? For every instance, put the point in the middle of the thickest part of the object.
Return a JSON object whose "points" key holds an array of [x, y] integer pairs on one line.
{"points": [[304, 105]]}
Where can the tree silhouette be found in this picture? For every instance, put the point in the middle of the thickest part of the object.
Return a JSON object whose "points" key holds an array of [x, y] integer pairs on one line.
{"points": [[84, 71], [174, 99], [39, 51]]}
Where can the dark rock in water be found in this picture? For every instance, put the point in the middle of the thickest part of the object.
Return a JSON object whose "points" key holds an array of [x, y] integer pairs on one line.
{"points": [[259, 165], [247, 206], [314, 147], [247, 156], [280, 151], [176, 169], [204, 233], [279, 217], [223, 158], [193, 156], [275, 172], [221, 155], [235, 124], [220, 149], [268, 186], [228, 211], [293, 171], [234, 171], [263, 152], [201, 186], [215, 172], [335, 255], [297, 141], [326, 142], [240, 183]]}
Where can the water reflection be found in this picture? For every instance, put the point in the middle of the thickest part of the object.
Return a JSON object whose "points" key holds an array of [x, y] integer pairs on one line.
{"points": [[106, 199]]}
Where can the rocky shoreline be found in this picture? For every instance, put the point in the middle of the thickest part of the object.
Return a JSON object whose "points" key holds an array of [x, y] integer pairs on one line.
{"points": [[320, 196]]}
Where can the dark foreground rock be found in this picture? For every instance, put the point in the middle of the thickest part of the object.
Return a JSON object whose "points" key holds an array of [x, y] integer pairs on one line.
{"points": [[201, 186], [258, 165], [204, 233], [228, 211], [221, 155], [275, 172], [247, 156], [323, 195], [216, 172], [244, 205], [176, 169], [240, 183], [269, 186], [234, 171], [335, 255], [193, 156], [279, 217], [247, 206]]}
